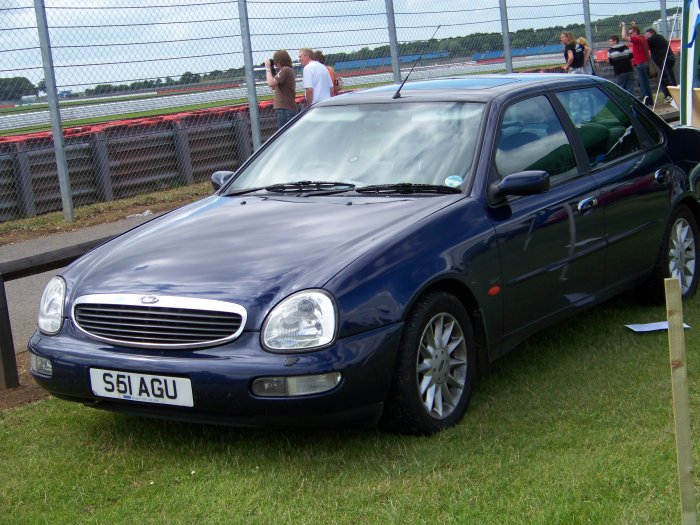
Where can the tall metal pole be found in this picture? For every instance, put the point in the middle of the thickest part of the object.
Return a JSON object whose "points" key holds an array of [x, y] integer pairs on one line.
{"points": [[393, 41], [54, 112], [506, 36], [249, 76], [587, 22], [664, 20]]}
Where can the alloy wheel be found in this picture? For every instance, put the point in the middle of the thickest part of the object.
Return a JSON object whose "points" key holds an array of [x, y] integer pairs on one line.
{"points": [[681, 253], [442, 365]]}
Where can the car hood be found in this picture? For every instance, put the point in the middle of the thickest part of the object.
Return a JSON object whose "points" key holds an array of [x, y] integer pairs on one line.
{"points": [[248, 250]]}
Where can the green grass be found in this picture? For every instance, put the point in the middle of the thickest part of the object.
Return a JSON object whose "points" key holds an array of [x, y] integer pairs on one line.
{"points": [[575, 426]]}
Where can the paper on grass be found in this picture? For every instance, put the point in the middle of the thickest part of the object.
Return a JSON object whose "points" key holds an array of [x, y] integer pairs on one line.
{"points": [[651, 327]]}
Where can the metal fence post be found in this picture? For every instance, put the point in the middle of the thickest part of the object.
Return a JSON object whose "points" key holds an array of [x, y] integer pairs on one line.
{"points": [[664, 20], [587, 22], [54, 112], [506, 36], [23, 180], [393, 41], [103, 177], [249, 76], [182, 153]]}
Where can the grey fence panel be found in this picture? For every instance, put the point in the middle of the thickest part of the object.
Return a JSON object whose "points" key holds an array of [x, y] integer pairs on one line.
{"points": [[142, 161], [213, 144]]}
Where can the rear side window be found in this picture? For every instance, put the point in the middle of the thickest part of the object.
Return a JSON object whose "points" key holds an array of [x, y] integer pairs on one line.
{"points": [[651, 129], [531, 137], [604, 129]]}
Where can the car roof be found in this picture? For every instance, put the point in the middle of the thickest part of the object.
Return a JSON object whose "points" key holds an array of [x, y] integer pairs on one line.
{"points": [[478, 88]]}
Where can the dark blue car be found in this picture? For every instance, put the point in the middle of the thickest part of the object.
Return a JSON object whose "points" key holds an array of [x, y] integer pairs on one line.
{"points": [[376, 255]]}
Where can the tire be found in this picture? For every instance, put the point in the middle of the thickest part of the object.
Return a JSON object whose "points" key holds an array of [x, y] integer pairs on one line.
{"points": [[435, 369], [678, 254]]}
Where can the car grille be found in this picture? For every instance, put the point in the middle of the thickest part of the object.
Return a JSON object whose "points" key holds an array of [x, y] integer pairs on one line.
{"points": [[164, 322]]}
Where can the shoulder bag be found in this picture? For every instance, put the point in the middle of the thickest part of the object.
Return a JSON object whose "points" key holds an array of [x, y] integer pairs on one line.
{"points": [[652, 68]]}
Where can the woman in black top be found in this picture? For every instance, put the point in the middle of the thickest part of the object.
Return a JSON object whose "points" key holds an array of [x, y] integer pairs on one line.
{"points": [[573, 54]]}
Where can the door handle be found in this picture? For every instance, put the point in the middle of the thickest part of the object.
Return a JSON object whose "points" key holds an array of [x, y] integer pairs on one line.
{"points": [[587, 204]]}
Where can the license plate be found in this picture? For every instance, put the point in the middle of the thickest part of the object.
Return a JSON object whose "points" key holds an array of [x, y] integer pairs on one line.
{"points": [[165, 390]]}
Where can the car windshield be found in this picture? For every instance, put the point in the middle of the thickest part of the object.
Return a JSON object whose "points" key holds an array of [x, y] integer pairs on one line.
{"points": [[364, 145]]}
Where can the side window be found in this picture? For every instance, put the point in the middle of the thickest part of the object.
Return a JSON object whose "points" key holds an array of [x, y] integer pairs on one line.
{"points": [[531, 137], [634, 107], [604, 129], [650, 128]]}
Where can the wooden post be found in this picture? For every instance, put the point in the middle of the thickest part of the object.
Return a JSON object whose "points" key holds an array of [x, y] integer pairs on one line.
{"points": [[8, 362], [681, 407]]}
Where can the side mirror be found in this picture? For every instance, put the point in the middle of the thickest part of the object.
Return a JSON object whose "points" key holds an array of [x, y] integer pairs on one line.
{"points": [[520, 183], [219, 178]]}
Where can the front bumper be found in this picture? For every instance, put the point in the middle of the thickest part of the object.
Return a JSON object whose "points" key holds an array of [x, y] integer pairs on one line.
{"points": [[221, 377]]}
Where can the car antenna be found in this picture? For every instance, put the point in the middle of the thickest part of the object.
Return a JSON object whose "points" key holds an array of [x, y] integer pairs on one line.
{"points": [[398, 91]]}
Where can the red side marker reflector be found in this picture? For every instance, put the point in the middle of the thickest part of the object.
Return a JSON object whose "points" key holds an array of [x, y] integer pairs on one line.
{"points": [[494, 290]]}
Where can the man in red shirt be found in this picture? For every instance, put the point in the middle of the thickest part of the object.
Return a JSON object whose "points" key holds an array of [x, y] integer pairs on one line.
{"points": [[640, 52]]}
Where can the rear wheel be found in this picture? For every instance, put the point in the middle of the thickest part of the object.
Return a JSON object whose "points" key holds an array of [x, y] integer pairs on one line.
{"points": [[436, 368], [678, 254], [682, 247]]}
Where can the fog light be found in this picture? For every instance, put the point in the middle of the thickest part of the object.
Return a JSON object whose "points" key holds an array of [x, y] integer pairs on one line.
{"points": [[295, 385], [40, 365]]}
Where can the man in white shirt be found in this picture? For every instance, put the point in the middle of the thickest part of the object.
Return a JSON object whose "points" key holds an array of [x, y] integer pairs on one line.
{"points": [[317, 80]]}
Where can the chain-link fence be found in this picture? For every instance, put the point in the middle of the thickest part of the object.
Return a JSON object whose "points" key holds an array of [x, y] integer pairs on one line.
{"points": [[151, 94]]}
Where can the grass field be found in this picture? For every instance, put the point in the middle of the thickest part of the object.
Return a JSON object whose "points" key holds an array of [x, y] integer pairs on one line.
{"points": [[575, 426]]}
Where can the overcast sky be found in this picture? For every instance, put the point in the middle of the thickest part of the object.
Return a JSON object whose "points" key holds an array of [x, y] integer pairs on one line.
{"points": [[115, 41]]}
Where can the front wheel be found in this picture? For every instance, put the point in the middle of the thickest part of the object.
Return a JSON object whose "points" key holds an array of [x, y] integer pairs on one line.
{"points": [[435, 370]]}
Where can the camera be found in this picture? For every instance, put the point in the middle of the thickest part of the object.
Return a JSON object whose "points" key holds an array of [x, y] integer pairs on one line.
{"points": [[272, 67]]}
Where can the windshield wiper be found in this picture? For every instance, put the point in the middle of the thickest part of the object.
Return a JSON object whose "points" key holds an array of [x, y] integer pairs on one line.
{"points": [[308, 186], [241, 191], [407, 187]]}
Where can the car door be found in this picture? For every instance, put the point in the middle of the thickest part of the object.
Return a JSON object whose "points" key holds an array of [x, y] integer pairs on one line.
{"points": [[626, 157], [551, 244]]}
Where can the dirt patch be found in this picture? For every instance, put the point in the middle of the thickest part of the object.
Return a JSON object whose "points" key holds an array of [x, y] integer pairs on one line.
{"points": [[27, 392]]}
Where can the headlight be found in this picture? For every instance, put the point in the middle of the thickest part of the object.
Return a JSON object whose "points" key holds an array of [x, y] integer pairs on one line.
{"points": [[51, 306], [303, 321]]}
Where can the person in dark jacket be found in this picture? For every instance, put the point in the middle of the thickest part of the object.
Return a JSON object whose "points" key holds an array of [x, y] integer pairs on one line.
{"points": [[620, 58], [663, 56]]}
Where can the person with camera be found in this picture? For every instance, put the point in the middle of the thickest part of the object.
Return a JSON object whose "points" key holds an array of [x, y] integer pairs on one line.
{"points": [[284, 84]]}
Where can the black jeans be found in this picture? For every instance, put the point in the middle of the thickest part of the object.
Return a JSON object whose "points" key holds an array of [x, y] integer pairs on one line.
{"points": [[668, 78]]}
